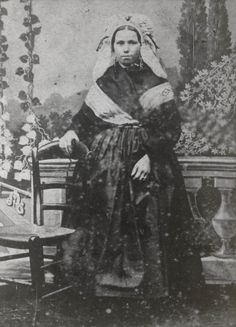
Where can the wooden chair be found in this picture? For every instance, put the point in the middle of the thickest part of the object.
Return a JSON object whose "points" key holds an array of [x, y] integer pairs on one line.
{"points": [[34, 236]]}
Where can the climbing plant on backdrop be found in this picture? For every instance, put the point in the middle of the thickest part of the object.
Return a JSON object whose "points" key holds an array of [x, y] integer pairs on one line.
{"points": [[34, 133], [5, 135]]}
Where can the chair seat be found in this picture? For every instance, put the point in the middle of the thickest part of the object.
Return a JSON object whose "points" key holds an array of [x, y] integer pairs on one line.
{"points": [[19, 235]]}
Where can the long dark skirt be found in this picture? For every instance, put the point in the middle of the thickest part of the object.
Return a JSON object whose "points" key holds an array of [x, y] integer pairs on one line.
{"points": [[132, 237]]}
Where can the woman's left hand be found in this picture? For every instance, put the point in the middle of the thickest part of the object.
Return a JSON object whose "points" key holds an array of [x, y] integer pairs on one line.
{"points": [[142, 168]]}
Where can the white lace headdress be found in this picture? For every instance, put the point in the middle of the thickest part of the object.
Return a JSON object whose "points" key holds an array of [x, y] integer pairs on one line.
{"points": [[149, 48]]}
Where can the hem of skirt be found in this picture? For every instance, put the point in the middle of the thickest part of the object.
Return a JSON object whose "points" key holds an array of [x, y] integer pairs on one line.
{"points": [[136, 293]]}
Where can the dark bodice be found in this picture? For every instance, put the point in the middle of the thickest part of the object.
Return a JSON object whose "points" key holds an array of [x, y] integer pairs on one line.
{"points": [[124, 87]]}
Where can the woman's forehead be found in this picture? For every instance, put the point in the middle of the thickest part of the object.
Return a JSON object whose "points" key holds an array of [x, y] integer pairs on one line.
{"points": [[126, 34]]}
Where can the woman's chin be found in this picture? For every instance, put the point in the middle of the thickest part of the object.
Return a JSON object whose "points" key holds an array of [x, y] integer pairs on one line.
{"points": [[126, 62]]}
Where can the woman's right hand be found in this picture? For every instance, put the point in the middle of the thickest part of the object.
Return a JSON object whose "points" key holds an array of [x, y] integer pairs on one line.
{"points": [[65, 142]]}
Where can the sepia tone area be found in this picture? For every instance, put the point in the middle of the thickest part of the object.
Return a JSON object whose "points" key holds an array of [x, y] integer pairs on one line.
{"points": [[48, 50]]}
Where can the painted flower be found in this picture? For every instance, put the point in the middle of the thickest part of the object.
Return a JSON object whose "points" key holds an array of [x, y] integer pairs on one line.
{"points": [[31, 118], [26, 150], [18, 165], [31, 135], [26, 127], [23, 140], [5, 116]]}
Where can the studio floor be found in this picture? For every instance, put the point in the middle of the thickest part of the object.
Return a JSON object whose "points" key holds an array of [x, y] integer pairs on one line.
{"points": [[216, 308]]}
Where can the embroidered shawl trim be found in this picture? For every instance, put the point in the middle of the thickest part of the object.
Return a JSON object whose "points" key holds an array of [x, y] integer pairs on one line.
{"points": [[107, 110], [156, 96]]}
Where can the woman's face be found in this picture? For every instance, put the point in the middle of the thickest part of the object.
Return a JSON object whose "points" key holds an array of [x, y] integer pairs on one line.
{"points": [[126, 47]]}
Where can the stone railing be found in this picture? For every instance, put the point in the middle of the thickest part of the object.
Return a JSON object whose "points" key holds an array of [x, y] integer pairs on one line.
{"points": [[212, 180]]}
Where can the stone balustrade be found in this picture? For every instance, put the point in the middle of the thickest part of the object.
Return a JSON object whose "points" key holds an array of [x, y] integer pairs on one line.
{"points": [[208, 179]]}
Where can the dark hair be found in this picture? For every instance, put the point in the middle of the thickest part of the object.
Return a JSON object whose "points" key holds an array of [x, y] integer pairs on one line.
{"points": [[122, 28]]}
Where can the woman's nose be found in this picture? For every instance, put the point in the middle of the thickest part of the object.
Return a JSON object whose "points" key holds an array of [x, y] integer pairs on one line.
{"points": [[126, 48]]}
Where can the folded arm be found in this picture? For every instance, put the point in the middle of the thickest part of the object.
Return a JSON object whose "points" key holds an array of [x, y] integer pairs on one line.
{"points": [[163, 128]]}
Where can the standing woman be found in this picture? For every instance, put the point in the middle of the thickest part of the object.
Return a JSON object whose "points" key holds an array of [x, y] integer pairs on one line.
{"points": [[134, 225]]}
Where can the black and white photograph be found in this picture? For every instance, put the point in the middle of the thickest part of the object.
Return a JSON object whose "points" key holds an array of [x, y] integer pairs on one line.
{"points": [[117, 163]]}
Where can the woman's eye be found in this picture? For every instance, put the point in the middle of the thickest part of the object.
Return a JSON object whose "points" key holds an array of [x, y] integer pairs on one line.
{"points": [[131, 42]]}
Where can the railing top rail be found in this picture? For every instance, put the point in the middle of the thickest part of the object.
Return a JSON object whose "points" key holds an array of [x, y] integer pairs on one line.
{"points": [[205, 160], [14, 188]]}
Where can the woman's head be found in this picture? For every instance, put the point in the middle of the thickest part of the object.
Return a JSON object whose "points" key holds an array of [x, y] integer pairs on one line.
{"points": [[134, 30], [126, 44]]}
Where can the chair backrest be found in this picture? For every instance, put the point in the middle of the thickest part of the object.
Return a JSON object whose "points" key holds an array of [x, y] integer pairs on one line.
{"points": [[39, 205]]}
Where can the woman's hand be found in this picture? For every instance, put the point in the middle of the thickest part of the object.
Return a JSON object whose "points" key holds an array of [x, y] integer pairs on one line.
{"points": [[65, 142], [142, 168]]}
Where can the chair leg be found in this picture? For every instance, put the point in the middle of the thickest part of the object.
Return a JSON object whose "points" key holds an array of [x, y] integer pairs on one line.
{"points": [[58, 277], [37, 274]]}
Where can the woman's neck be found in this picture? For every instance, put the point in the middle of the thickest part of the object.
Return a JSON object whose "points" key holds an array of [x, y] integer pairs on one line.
{"points": [[135, 66]]}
